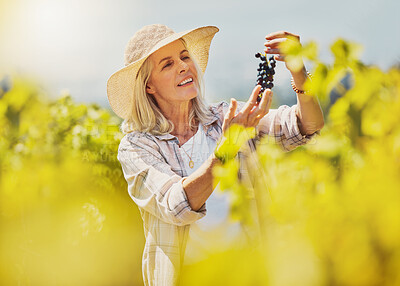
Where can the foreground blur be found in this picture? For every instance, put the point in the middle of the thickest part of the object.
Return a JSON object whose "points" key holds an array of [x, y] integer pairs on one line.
{"points": [[329, 211], [65, 216]]}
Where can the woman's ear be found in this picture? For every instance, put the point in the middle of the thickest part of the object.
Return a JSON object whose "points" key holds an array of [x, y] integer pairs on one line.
{"points": [[149, 89]]}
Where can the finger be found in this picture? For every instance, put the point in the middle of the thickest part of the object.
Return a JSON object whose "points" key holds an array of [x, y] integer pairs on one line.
{"points": [[232, 109], [267, 98], [262, 108], [281, 34], [229, 115], [267, 105], [274, 43], [269, 95], [279, 58], [252, 101], [272, 51]]}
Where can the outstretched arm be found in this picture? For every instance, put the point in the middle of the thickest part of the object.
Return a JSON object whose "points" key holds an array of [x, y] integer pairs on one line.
{"points": [[308, 109], [199, 185]]}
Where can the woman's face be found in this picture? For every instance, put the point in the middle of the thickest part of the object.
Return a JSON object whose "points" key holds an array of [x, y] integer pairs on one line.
{"points": [[173, 78]]}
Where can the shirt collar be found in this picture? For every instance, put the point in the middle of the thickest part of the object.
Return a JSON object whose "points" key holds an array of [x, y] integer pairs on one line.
{"points": [[214, 117], [165, 137]]}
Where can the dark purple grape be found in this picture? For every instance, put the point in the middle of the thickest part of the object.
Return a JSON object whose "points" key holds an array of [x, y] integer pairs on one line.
{"points": [[266, 70]]}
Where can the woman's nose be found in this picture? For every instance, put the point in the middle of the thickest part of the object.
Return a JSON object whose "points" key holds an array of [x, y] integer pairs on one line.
{"points": [[183, 67]]}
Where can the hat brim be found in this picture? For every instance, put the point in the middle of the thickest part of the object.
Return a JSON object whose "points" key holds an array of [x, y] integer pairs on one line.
{"points": [[121, 84]]}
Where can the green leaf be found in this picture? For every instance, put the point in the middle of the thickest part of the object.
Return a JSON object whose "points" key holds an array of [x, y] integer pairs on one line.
{"points": [[233, 140], [345, 52]]}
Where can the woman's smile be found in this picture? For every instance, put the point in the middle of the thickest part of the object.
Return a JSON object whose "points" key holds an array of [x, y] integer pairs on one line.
{"points": [[186, 82]]}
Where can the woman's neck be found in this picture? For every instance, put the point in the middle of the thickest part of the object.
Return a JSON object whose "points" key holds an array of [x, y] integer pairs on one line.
{"points": [[178, 114]]}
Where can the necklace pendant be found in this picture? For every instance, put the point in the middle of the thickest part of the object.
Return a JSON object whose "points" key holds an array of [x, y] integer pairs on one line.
{"points": [[191, 164]]}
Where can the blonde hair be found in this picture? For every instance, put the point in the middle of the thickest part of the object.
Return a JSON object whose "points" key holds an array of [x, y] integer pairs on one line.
{"points": [[146, 116]]}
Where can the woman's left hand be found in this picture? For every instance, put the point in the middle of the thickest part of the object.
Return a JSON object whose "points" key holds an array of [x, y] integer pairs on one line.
{"points": [[251, 113], [308, 109], [273, 42]]}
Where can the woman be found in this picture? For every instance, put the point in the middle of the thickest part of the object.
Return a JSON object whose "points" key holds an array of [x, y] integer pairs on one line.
{"points": [[167, 153]]}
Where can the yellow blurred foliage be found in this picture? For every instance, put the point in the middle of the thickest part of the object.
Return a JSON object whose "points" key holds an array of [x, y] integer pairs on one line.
{"points": [[65, 215], [329, 211], [333, 217]]}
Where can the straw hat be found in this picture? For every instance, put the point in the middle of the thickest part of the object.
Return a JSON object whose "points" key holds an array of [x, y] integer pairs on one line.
{"points": [[149, 39]]}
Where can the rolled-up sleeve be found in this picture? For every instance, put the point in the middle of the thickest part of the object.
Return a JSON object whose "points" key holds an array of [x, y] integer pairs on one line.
{"points": [[282, 124], [152, 184]]}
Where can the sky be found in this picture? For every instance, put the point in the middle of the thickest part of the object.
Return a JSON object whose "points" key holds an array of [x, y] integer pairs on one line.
{"points": [[75, 45]]}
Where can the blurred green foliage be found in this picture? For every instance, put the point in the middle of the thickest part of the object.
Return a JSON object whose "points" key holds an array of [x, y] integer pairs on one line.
{"points": [[333, 214], [65, 215], [329, 212]]}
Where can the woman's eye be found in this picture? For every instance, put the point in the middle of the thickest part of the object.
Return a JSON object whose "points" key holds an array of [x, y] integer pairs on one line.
{"points": [[167, 65], [185, 58]]}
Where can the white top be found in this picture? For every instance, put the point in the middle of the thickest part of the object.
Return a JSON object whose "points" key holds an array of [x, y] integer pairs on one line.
{"points": [[214, 231], [155, 186]]}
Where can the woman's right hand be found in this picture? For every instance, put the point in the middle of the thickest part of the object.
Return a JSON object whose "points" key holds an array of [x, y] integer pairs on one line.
{"points": [[251, 114]]}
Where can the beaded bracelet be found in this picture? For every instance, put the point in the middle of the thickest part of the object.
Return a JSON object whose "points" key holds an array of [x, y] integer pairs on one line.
{"points": [[296, 89]]}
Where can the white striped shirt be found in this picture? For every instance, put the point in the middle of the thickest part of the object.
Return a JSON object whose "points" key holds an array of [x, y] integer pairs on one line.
{"points": [[153, 168]]}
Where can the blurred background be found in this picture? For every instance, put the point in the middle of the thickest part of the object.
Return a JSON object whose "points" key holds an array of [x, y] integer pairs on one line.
{"points": [[76, 45], [65, 215]]}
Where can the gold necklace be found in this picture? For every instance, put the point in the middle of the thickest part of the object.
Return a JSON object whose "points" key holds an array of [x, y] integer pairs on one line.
{"points": [[191, 163]]}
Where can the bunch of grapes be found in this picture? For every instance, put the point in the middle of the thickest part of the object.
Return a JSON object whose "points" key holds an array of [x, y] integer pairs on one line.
{"points": [[266, 71]]}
